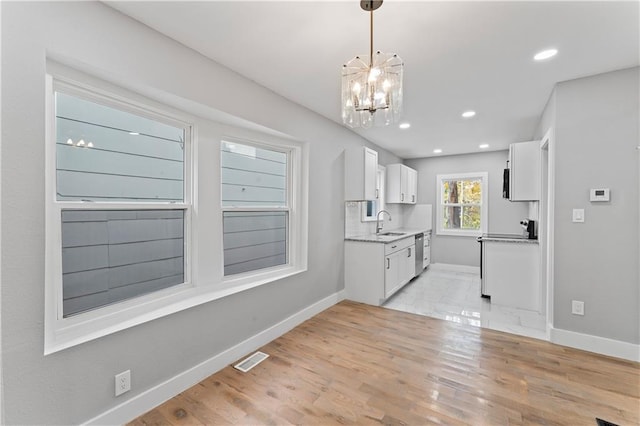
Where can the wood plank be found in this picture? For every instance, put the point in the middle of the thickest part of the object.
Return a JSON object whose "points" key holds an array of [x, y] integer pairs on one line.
{"points": [[359, 364]]}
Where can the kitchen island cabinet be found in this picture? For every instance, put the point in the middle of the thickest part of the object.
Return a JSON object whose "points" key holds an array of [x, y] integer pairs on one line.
{"points": [[511, 271]]}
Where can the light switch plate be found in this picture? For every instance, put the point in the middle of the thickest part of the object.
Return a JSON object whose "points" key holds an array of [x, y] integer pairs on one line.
{"points": [[578, 215]]}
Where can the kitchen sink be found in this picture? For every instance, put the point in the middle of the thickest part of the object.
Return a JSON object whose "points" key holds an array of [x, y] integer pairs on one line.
{"points": [[391, 234]]}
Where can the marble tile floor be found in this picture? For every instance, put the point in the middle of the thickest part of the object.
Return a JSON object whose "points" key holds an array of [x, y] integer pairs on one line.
{"points": [[449, 294]]}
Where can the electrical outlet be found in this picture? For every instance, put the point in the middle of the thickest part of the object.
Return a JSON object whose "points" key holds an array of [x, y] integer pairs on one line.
{"points": [[123, 382], [577, 307]]}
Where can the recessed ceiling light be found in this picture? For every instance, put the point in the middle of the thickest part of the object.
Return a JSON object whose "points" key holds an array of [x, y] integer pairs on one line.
{"points": [[437, 151], [545, 54], [468, 114], [404, 125], [134, 133], [483, 146]]}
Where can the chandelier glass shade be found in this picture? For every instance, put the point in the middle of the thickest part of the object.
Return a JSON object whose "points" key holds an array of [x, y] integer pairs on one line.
{"points": [[372, 87]]}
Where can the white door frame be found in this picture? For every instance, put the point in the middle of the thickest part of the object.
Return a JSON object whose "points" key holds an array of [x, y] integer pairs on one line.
{"points": [[547, 144]]}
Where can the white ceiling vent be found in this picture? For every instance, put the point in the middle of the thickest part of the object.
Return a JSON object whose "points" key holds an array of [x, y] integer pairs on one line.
{"points": [[251, 362]]}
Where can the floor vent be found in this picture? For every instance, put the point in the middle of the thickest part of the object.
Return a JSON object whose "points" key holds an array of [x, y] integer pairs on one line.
{"points": [[251, 362]]}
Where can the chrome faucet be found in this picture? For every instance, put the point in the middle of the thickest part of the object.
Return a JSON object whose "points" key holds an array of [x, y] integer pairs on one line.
{"points": [[378, 224]]}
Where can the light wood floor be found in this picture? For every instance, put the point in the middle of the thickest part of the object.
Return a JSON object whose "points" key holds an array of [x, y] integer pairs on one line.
{"points": [[358, 364]]}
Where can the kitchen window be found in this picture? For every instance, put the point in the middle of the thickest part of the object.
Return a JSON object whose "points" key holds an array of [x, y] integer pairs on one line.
{"points": [[462, 204]]}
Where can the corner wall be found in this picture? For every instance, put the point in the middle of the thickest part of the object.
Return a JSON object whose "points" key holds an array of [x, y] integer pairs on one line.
{"points": [[597, 131]]}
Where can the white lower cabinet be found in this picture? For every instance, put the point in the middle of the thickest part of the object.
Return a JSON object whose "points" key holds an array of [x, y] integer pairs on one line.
{"points": [[375, 271], [426, 251], [399, 268]]}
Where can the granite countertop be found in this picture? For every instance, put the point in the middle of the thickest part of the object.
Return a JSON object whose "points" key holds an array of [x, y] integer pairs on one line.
{"points": [[507, 238], [373, 238]]}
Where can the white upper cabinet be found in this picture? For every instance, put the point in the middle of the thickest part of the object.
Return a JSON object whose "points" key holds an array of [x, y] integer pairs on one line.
{"points": [[402, 184], [360, 174], [524, 171], [412, 185]]}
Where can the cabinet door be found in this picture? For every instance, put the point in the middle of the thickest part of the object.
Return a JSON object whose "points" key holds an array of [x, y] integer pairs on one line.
{"points": [[524, 171], [404, 184], [391, 273], [426, 254], [360, 174], [370, 174], [393, 183], [408, 260], [412, 186]]}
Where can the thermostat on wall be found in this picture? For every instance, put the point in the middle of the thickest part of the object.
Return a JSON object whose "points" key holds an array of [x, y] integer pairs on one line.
{"points": [[599, 194]]}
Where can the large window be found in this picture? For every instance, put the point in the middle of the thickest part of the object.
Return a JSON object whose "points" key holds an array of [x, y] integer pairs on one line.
{"points": [[462, 204], [120, 200], [255, 203], [138, 227]]}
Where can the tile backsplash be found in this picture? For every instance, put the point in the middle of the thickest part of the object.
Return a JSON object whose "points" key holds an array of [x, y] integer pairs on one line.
{"points": [[353, 224]]}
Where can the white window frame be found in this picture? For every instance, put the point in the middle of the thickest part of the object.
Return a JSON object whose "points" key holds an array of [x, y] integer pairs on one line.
{"points": [[204, 268], [61, 332], [484, 208], [295, 200]]}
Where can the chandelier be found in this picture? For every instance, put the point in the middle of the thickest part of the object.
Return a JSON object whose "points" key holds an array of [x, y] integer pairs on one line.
{"points": [[372, 85]]}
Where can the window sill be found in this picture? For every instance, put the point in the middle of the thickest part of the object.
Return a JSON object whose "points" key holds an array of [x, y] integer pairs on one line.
{"points": [[451, 233], [73, 331]]}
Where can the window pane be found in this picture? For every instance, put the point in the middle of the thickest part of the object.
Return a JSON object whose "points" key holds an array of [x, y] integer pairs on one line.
{"points": [[253, 176], [471, 217], [472, 191], [254, 240], [105, 154], [372, 209], [451, 217], [451, 191], [112, 255]]}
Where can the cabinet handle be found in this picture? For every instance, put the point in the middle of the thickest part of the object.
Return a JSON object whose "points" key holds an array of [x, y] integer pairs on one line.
{"points": [[388, 263], [376, 193], [402, 197], [409, 252], [394, 246], [413, 198]]}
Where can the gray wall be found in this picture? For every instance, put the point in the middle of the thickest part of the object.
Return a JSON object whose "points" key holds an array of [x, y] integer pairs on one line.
{"points": [[597, 131], [504, 216], [73, 385]]}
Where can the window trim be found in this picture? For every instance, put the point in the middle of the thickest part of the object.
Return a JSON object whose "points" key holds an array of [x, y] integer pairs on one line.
{"points": [[484, 207], [61, 332], [296, 245], [206, 282]]}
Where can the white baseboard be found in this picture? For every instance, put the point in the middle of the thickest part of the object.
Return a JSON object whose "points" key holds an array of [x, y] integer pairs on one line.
{"points": [[455, 268], [155, 396], [600, 345]]}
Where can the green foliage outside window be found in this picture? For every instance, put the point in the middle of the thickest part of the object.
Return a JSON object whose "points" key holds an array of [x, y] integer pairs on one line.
{"points": [[461, 201]]}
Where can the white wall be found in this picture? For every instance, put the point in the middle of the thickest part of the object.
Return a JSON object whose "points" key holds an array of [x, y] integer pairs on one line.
{"points": [[504, 216], [596, 123], [76, 384]]}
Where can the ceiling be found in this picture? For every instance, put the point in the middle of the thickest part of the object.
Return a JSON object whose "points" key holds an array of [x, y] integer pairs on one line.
{"points": [[458, 56]]}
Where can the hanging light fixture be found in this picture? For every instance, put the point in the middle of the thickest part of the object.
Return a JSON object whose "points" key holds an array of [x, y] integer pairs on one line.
{"points": [[372, 85]]}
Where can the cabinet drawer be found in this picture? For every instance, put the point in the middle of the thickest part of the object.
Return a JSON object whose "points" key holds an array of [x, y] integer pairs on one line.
{"points": [[399, 245]]}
